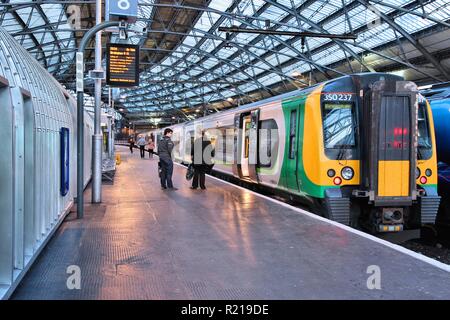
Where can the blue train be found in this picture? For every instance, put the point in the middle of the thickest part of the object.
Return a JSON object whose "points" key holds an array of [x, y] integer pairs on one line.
{"points": [[439, 97]]}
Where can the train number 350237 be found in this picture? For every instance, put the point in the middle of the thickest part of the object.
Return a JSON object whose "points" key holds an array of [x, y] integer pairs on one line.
{"points": [[338, 97]]}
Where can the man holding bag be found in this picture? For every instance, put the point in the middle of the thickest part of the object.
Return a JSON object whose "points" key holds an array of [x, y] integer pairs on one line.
{"points": [[202, 153]]}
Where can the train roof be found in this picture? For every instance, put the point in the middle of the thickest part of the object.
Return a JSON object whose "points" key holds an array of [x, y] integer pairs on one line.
{"points": [[367, 76], [437, 91]]}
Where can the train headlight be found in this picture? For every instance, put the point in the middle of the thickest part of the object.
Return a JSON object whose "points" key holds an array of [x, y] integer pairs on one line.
{"points": [[417, 173], [428, 172], [347, 173]]}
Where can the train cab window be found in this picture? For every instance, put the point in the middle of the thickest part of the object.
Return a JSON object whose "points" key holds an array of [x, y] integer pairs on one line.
{"points": [[293, 135], [339, 126], [395, 128], [424, 151]]}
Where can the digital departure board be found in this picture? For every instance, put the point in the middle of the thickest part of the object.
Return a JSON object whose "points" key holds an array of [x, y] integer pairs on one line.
{"points": [[122, 65]]}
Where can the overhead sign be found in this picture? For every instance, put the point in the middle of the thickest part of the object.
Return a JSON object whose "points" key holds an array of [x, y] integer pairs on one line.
{"points": [[121, 10], [122, 65]]}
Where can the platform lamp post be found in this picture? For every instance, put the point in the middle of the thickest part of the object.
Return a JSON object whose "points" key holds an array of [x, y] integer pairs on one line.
{"points": [[80, 108], [97, 137]]}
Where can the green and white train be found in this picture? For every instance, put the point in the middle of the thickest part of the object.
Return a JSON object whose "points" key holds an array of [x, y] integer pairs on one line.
{"points": [[360, 148]]}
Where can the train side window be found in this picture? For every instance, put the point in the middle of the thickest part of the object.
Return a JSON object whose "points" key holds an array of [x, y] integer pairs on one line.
{"points": [[229, 145], [268, 143], [224, 145], [424, 137], [247, 139], [339, 125], [293, 134], [220, 146], [188, 143]]}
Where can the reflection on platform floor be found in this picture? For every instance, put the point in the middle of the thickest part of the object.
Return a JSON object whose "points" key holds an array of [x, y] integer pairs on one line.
{"points": [[223, 243]]}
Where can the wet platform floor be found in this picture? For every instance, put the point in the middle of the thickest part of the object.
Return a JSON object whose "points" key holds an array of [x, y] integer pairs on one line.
{"points": [[223, 243]]}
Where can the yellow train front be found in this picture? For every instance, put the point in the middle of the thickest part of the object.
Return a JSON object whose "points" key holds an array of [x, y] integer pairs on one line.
{"points": [[375, 155]]}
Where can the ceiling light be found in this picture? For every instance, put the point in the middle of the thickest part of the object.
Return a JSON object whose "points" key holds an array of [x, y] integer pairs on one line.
{"points": [[425, 87], [401, 73]]}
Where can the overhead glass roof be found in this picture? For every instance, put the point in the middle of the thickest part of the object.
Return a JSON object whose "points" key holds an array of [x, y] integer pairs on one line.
{"points": [[43, 31], [187, 63]]}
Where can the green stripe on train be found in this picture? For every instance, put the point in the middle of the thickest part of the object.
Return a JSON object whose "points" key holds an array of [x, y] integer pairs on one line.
{"points": [[288, 178]]}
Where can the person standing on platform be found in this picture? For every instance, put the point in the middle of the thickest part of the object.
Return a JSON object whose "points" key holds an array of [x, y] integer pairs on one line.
{"points": [[151, 147], [201, 154], [141, 143], [131, 142], [165, 147]]}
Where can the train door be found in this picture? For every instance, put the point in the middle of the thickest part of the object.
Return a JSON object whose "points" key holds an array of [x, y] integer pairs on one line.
{"points": [[394, 147], [253, 145], [236, 167], [292, 143], [245, 150], [392, 108], [246, 145]]}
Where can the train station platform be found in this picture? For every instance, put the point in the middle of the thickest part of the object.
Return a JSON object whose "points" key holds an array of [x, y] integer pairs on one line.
{"points": [[223, 243]]}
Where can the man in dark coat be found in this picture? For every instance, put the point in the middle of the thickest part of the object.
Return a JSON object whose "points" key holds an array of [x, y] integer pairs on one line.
{"points": [[131, 141], [201, 153], [165, 147]]}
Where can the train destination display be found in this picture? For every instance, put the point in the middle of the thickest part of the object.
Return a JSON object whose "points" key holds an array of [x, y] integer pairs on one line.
{"points": [[122, 68]]}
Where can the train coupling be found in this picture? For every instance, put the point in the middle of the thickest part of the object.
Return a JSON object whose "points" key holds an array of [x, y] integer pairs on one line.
{"points": [[392, 220], [360, 194]]}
